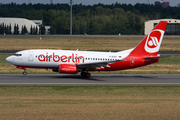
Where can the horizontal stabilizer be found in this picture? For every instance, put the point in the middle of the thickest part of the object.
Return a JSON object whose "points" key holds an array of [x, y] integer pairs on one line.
{"points": [[157, 57]]}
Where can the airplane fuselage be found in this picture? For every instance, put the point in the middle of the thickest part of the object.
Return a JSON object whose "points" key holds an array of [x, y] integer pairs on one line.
{"points": [[50, 59], [72, 62]]}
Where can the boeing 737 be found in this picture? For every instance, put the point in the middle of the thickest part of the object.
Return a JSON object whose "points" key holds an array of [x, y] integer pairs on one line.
{"points": [[72, 62]]}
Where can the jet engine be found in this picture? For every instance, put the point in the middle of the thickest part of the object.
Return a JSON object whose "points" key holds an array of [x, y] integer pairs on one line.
{"points": [[67, 69]]}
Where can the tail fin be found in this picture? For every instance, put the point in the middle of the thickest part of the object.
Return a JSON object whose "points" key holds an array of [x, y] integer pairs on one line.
{"points": [[151, 43]]}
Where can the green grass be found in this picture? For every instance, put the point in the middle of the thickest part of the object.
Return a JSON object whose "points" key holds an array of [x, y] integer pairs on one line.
{"points": [[110, 44], [174, 59], [3, 57], [89, 102], [89, 90]]}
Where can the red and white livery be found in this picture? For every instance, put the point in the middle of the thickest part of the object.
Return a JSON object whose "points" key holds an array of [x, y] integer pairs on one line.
{"points": [[72, 62]]}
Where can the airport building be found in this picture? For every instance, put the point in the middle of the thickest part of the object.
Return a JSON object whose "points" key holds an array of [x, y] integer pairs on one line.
{"points": [[20, 22], [162, 3], [173, 26], [37, 22]]}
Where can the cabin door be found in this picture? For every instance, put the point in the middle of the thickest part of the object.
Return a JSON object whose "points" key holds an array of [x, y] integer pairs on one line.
{"points": [[30, 56]]}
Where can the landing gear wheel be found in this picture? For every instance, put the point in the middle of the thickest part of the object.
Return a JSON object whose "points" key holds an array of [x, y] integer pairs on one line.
{"points": [[88, 75], [24, 73], [83, 74]]}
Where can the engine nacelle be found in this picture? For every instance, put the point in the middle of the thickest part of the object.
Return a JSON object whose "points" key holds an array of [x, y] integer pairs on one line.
{"points": [[68, 69]]}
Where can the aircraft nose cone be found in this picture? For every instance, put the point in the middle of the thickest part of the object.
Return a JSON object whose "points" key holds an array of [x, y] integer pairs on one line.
{"points": [[9, 59]]}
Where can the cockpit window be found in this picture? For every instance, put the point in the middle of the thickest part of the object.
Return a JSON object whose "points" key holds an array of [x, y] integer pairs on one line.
{"points": [[18, 54]]}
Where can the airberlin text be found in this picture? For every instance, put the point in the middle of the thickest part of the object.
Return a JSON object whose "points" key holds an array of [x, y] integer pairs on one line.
{"points": [[65, 59]]}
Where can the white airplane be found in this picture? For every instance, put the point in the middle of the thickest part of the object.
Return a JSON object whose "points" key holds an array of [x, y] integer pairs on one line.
{"points": [[72, 62]]}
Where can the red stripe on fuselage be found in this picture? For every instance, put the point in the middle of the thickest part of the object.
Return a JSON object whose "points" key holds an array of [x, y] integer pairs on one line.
{"points": [[128, 63]]}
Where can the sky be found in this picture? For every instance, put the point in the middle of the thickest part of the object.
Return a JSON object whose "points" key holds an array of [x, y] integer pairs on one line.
{"points": [[90, 2]]}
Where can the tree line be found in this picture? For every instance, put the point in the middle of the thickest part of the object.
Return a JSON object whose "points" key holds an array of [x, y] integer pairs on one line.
{"points": [[91, 19], [7, 29]]}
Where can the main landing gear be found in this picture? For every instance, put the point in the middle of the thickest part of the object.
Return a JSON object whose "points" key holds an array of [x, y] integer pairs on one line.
{"points": [[85, 74]]}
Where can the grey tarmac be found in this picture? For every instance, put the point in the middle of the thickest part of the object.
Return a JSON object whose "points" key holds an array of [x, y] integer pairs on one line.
{"points": [[96, 79]]}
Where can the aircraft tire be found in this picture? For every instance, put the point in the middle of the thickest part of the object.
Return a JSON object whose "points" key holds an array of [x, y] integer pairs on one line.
{"points": [[88, 75], [83, 74], [24, 73]]}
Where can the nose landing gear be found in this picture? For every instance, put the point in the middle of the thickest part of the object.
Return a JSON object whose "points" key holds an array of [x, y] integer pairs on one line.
{"points": [[85, 74], [24, 73], [23, 68]]}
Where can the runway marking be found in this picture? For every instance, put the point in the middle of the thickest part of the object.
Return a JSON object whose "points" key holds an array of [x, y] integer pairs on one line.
{"points": [[90, 83]]}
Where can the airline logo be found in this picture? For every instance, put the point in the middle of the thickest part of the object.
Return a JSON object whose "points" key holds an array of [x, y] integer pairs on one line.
{"points": [[65, 59], [154, 40], [68, 69]]}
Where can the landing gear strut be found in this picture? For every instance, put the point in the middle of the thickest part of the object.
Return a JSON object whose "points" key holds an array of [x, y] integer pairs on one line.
{"points": [[85, 74], [24, 73]]}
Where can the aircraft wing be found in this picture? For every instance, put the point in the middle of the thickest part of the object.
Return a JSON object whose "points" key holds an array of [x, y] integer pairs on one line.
{"points": [[96, 64]]}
